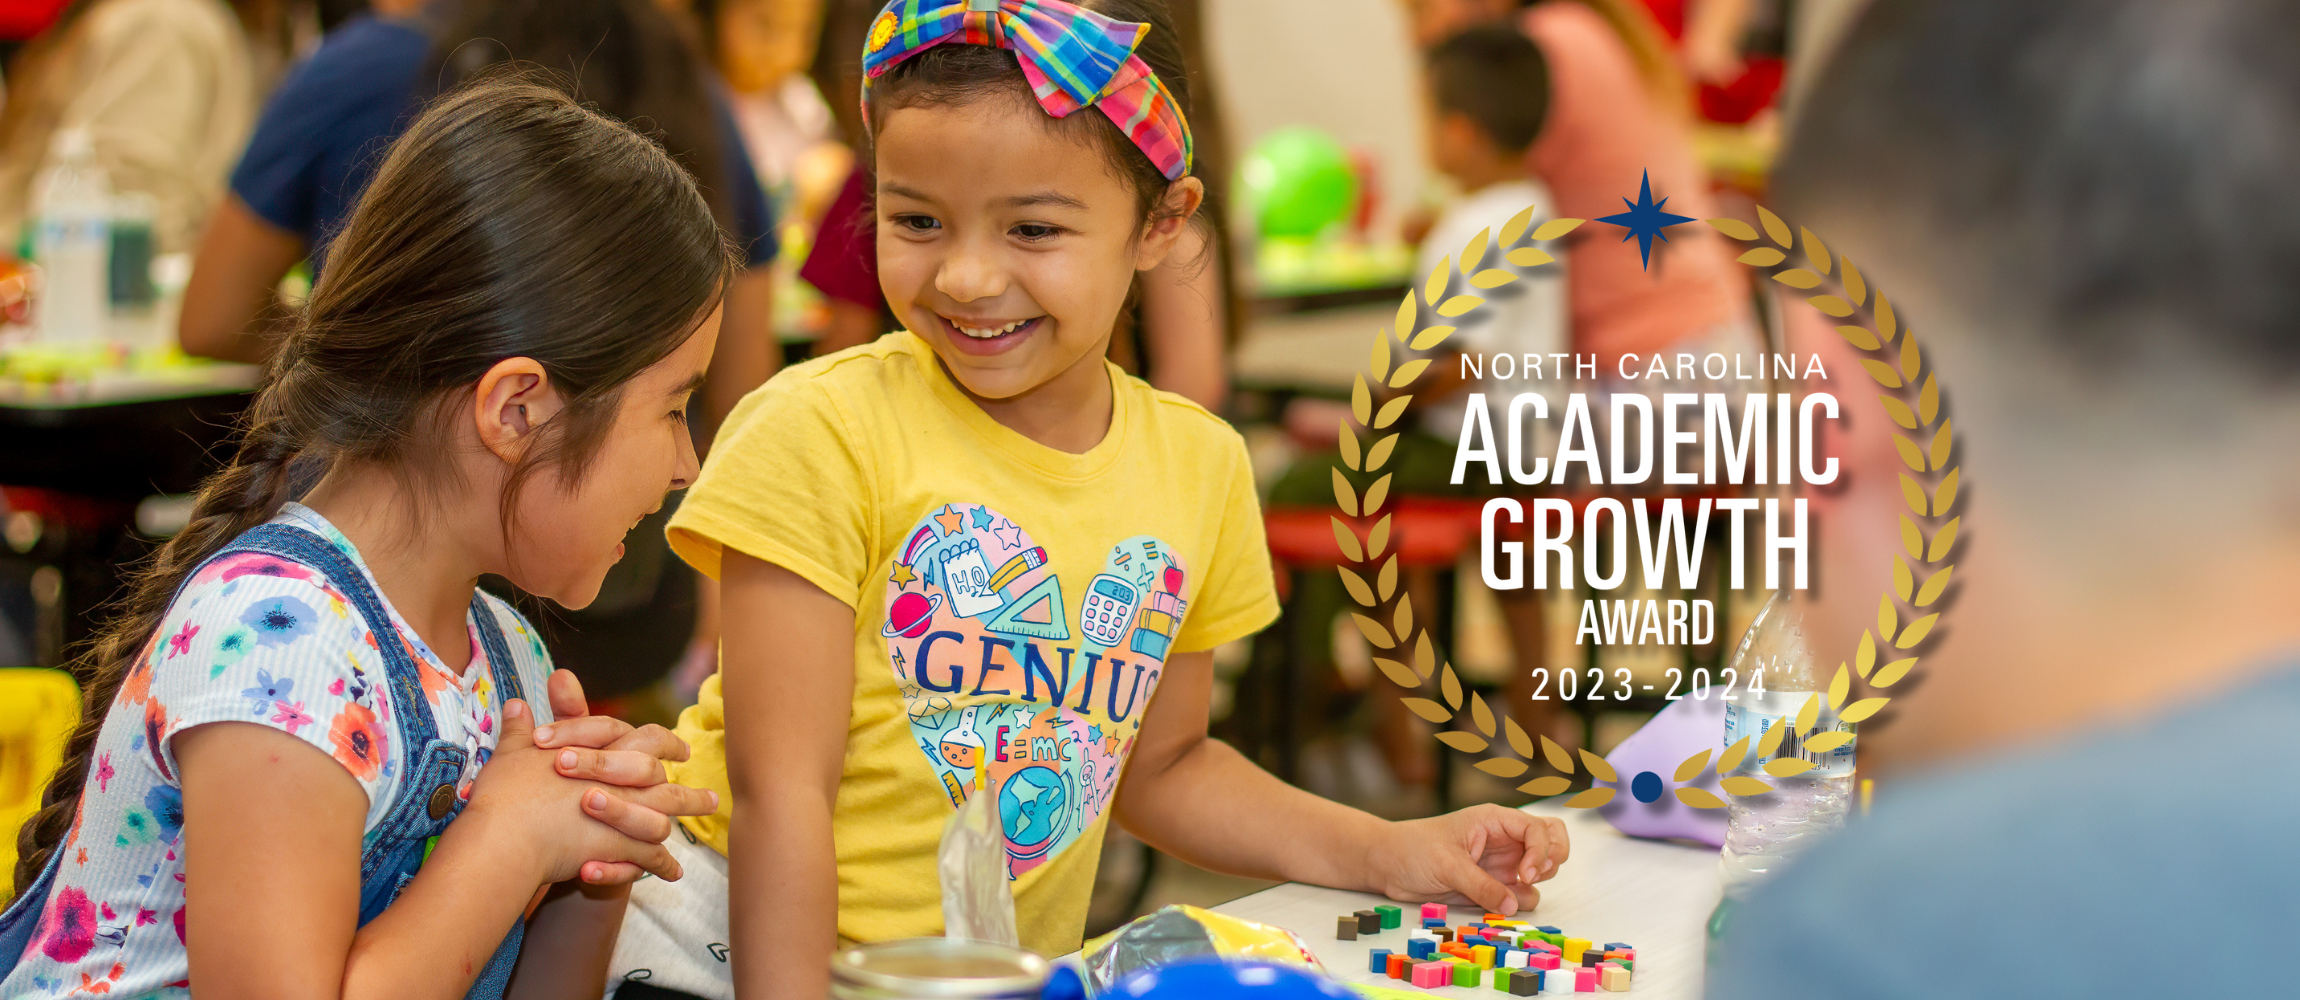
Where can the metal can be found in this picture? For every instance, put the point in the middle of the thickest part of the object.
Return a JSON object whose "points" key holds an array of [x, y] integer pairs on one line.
{"points": [[936, 969]]}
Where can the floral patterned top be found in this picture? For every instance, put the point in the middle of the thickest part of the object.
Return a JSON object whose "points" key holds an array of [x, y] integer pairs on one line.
{"points": [[250, 638]]}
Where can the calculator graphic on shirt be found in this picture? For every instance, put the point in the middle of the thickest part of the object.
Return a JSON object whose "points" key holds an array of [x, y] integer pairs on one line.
{"points": [[1108, 610]]}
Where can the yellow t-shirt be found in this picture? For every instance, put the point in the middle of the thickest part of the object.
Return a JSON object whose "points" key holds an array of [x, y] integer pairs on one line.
{"points": [[1014, 606]]}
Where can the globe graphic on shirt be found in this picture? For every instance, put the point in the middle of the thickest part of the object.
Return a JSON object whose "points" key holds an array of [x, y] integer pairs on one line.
{"points": [[1033, 807]]}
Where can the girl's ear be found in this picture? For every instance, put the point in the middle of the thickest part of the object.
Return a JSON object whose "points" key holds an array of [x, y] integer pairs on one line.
{"points": [[1167, 222], [513, 399]]}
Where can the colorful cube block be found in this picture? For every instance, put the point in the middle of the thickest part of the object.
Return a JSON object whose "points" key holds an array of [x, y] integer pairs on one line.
{"points": [[1500, 979], [1585, 980], [1526, 982], [1544, 960], [1622, 962], [1433, 923], [1466, 974], [1431, 975], [1515, 960], [1396, 965], [1573, 947], [1378, 961], [1433, 911], [1615, 946], [1613, 978], [1482, 954], [1546, 929], [1369, 922], [1347, 930], [1391, 916]]}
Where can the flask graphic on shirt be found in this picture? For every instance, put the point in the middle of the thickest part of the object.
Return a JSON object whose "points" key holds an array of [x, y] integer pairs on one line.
{"points": [[1108, 610], [966, 578]]}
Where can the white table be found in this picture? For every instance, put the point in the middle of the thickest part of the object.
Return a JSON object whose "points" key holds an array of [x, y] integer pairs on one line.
{"points": [[1656, 896]]}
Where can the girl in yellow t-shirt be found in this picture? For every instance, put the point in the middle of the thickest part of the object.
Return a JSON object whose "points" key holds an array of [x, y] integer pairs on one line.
{"points": [[977, 556]]}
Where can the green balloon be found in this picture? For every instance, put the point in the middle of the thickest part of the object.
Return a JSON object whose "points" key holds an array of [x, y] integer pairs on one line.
{"points": [[1300, 182]]}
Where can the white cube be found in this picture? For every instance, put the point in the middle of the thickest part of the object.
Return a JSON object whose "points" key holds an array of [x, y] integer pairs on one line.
{"points": [[1516, 960]]}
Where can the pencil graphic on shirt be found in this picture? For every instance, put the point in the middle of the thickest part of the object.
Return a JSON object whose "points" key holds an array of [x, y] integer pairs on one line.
{"points": [[1023, 562]]}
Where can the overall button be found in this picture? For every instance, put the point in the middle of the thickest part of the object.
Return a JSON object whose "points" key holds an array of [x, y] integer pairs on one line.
{"points": [[442, 799]]}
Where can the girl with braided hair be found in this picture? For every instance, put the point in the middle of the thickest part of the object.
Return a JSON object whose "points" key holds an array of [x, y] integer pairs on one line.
{"points": [[317, 762]]}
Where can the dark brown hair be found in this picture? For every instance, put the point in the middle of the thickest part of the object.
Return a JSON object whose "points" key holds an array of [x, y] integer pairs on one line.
{"points": [[1495, 76], [507, 221], [627, 59], [953, 74]]}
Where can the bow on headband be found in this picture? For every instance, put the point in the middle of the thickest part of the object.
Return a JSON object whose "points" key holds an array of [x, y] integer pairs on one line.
{"points": [[1072, 58]]}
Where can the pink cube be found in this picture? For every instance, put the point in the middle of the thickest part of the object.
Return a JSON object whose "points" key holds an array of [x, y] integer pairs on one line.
{"points": [[1431, 975], [1545, 960], [1585, 979], [1433, 911]]}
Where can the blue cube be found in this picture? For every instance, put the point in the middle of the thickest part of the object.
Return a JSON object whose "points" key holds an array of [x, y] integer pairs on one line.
{"points": [[1378, 961], [1420, 948], [1614, 946], [1549, 930], [1433, 923]]}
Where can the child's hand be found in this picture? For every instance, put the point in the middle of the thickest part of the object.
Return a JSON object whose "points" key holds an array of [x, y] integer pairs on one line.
{"points": [[521, 791], [607, 750], [1485, 855]]}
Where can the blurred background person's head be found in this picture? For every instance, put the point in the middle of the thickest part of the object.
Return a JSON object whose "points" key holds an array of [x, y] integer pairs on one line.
{"points": [[2087, 210], [1488, 93]]}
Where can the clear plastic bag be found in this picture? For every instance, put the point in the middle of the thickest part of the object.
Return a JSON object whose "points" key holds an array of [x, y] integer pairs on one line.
{"points": [[977, 899]]}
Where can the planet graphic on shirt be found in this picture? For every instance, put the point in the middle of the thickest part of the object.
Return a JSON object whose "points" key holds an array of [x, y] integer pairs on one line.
{"points": [[1033, 807], [911, 615]]}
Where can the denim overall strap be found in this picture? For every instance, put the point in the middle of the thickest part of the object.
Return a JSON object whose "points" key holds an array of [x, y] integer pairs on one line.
{"points": [[23, 915], [431, 767], [496, 976]]}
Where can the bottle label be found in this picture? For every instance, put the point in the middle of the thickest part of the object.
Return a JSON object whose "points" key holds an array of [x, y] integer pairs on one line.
{"points": [[1756, 714]]}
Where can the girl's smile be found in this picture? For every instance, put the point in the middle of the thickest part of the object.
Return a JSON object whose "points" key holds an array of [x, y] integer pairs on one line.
{"points": [[987, 337]]}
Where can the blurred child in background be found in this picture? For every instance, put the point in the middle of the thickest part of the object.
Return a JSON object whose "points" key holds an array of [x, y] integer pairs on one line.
{"points": [[1618, 114]]}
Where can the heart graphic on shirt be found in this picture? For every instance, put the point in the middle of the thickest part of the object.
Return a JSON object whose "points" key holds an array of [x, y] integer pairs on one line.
{"points": [[1013, 685]]}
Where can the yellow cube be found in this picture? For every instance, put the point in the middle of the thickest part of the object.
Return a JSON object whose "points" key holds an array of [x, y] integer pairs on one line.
{"points": [[1484, 955], [1573, 949]]}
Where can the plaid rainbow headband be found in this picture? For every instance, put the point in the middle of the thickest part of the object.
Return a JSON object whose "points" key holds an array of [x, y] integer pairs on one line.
{"points": [[1072, 58]]}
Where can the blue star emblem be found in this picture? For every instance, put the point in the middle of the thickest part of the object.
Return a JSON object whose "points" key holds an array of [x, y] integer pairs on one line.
{"points": [[1645, 220]]}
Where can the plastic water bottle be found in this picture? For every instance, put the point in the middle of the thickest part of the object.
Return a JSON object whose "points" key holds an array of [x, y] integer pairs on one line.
{"points": [[72, 202], [1765, 832]]}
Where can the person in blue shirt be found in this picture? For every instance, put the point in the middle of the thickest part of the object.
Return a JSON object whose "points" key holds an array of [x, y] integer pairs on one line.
{"points": [[323, 132], [2088, 209], [321, 138]]}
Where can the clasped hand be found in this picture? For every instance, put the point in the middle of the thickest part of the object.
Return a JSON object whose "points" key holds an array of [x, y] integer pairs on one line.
{"points": [[613, 771]]}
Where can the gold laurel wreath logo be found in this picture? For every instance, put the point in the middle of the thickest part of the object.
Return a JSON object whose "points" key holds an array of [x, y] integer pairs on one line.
{"points": [[1930, 488]]}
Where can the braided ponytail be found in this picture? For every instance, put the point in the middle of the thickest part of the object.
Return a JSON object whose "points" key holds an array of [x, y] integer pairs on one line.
{"points": [[506, 222], [245, 494]]}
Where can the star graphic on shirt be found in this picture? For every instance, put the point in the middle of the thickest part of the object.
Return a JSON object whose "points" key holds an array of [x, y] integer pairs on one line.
{"points": [[949, 519], [1094, 734], [1645, 220], [981, 517], [1005, 526], [903, 576]]}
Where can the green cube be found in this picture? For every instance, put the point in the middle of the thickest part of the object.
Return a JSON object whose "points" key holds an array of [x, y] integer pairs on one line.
{"points": [[1391, 916], [1622, 962], [1465, 974], [1501, 980]]}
